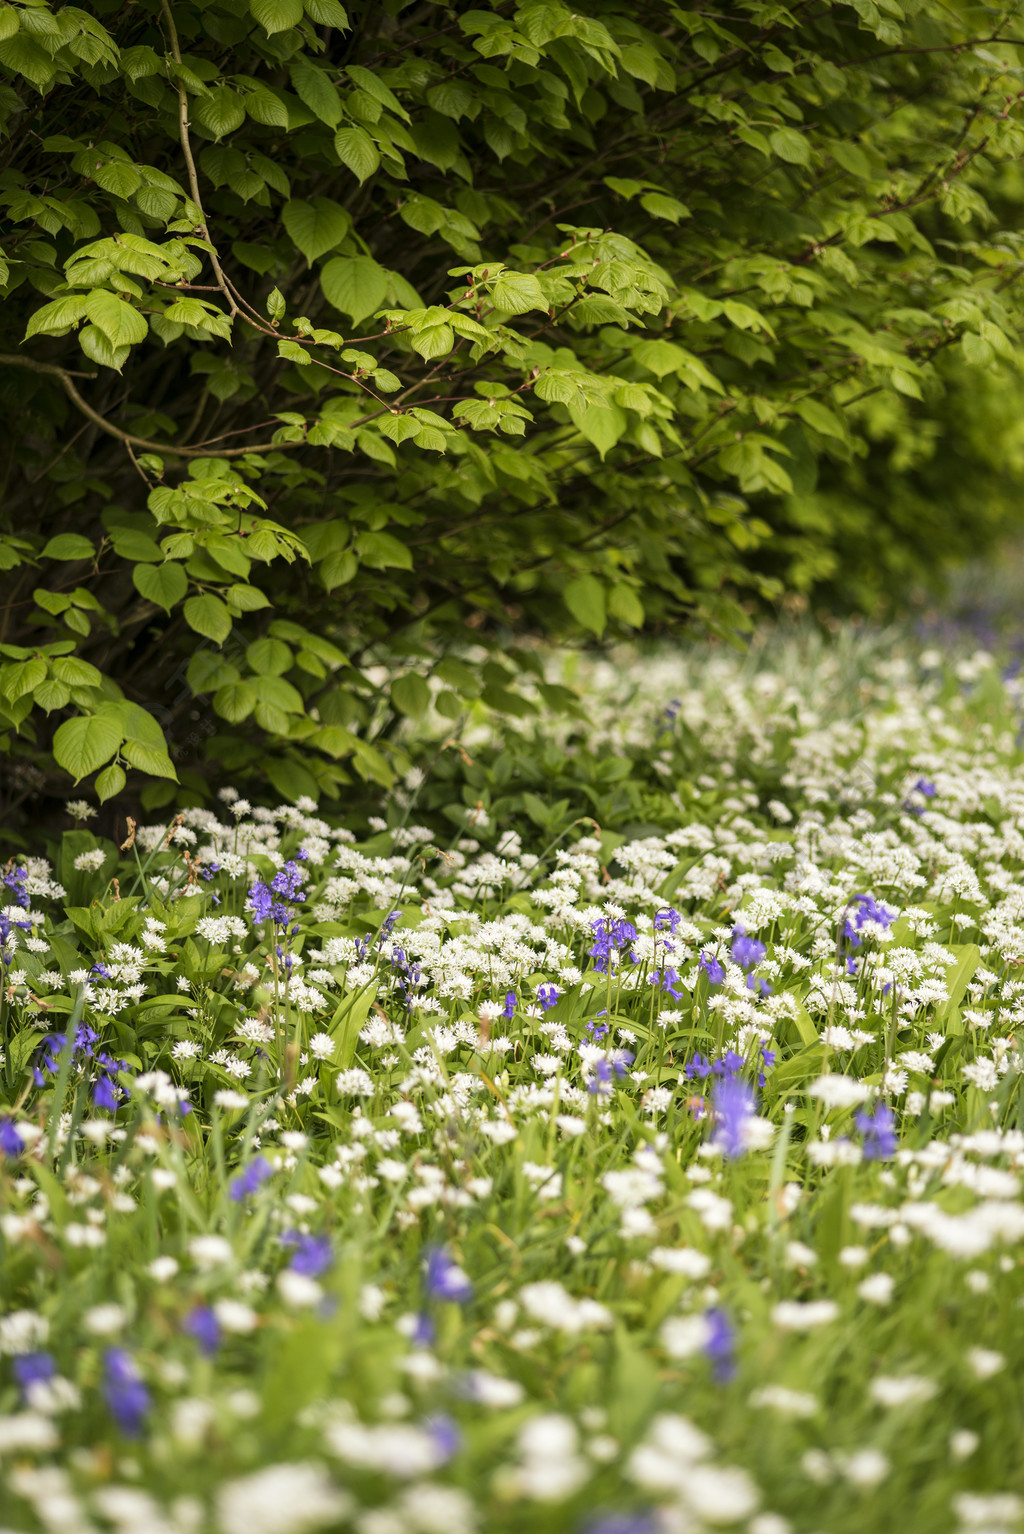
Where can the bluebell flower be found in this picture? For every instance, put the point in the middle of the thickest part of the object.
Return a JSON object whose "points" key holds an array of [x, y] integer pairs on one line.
{"points": [[423, 1332], [389, 924], [667, 980], [713, 968], [313, 1254], [509, 1010], [747, 952], [11, 1143], [16, 880], [698, 1067], [250, 1179], [867, 909], [125, 1391], [720, 1345], [288, 880], [202, 1324], [610, 938], [444, 1278], [444, 1435], [32, 1369], [879, 1131], [733, 1102], [547, 995], [926, 788], [264, 907], [669, 918]]}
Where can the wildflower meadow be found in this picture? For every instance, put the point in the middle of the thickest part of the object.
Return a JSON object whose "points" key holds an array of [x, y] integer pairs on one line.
{"points": [[640, 1155]]}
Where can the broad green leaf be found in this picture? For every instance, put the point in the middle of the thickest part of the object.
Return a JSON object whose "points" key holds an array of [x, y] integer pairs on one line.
{"points": [[790, 146], [84, 743], [602, 425], [269, 657], [149, 758], [208, 616], [356, 285], [162, 584], [119, 322], [316, 88], [585, 599], [356, 149], [276, 15], [69, 546], [315, 226], [411, 695], [110, 782], [52, 694]]}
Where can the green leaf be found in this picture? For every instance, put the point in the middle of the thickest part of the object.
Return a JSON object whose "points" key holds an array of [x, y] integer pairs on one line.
{"points": [[517, 293], [119, 322], [208, 616], [20, 680], [269, 657], [51, 694], [163, 585], [356, 285], [110, 782], [327, 13], [57, 318], [315, 226], [75, 672], [69, 546], [221, 111], [790, 146], [85, 743], [236, 701], [411, 695], [276, 15], [149, 758], [315, 88], [356, 149], [380, 551], [601, 425], [585, 599]]}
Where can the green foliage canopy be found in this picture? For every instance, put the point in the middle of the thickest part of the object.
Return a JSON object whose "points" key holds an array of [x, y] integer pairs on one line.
{"points": [[328, 332]]}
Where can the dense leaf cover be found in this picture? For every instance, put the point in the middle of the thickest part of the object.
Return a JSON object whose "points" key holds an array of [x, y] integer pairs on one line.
{"points": [[650, 1181], [327, 333]]}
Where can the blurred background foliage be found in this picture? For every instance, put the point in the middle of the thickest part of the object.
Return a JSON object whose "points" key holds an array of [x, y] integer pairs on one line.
{"points": [[348, 352]]}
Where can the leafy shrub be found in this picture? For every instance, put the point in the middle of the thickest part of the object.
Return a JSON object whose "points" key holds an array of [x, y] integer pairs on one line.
{"points": [[327, 335]]}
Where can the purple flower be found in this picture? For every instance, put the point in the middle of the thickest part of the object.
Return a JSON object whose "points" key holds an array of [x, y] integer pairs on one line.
{"points": [[698, 1066], [423, 1332], [609, 938], [510, 1005], [747, 952], [867, 909], [720, 1345], [879, 1131], [547, 995], [263, 905], [202, 1324], [250, 1179], [16, 880], [669, 918], [712, 967], [106, 1094], [732, 1100], [926, 788], [445, 1280], [389, 924], [11, 1142], [667, 980], [313, 1254], [288, 880], [32, 1369], [444, 1435], [125, 1392]]}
